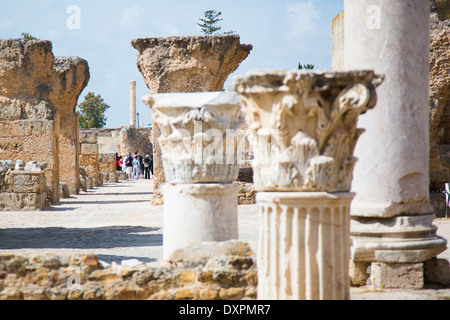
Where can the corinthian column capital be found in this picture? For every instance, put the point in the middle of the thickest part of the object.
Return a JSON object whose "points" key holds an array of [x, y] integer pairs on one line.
{"points": [[303, 126]]}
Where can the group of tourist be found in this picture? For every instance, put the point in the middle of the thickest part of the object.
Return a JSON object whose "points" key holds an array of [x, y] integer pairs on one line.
{"points": [[135, 166]]}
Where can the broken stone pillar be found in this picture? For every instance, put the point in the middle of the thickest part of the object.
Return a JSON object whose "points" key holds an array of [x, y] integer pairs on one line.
{"points": [[392, 218], [23, 187], [89, 155], [29, 117], [186, 64], [198, 153], [133, 103], [72, 76], [107, 167], [303, 133]]}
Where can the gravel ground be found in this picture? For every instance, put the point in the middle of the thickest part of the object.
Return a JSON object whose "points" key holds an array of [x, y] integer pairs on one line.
{"points": [[117, 222]]}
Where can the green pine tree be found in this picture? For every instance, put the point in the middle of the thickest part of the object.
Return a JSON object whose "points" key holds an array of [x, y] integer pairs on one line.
{"points": [[210, 23], [92, 112]]}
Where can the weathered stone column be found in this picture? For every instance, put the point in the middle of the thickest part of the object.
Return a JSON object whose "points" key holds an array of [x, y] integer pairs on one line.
{"points": [[391, 213], [200, 164], [89, 155], [133, 103], [303, 132], [185, 64], [72, 76], [29, 117]]}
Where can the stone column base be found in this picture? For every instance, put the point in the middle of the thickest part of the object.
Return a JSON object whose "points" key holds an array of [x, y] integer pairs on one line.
{"points": [[198, 213], [397, 275], [400, 275], [402, 239], [304, 248]]}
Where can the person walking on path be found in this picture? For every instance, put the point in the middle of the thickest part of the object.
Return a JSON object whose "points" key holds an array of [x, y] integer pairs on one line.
{"points": [[129, 166], [136, 167], [147, 167]]}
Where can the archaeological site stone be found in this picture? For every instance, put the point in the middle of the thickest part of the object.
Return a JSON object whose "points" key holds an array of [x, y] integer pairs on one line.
{"points": [[107, 167], [303, 132], [89, 154], [391, 213], [439, 101], [198, 146], [29, 119], [186, 64], [22, 187], [72, 76]]}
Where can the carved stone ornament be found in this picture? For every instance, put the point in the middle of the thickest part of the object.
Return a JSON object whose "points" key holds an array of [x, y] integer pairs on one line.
{"points": [[303, 126], [198, 135]]}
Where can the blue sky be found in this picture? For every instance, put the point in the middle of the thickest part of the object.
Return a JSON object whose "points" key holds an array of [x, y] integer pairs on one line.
{"points": [[282, 33]]}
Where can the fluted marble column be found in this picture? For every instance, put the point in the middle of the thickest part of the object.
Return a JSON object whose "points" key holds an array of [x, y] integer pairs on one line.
{"points": [[303, 132], [200, 164], [391, 213]]}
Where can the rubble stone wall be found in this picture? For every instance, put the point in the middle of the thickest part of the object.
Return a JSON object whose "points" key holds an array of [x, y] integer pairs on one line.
{"points": [[227, 272], [23, 189]]}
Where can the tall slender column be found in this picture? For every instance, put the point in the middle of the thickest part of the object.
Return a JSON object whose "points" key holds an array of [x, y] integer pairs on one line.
{"points": [[200, 164], [133, 103], [391, 213], [303, 132]]}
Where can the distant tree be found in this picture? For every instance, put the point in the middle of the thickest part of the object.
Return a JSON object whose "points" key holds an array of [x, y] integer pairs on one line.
{"points": [[210, 25], [28, 37], [92, 112], [306, 66]]}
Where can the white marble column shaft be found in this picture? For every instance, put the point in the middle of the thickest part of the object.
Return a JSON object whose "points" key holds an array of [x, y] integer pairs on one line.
{"points": [[391, 177], [133, 103]]}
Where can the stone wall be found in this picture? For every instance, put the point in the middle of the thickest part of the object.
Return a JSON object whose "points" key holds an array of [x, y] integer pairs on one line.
{"points": [[22, 187], [29, 120], [107, 167], [89, 154], [72, 76], [207, 271], [439, 103], [132, 139]]}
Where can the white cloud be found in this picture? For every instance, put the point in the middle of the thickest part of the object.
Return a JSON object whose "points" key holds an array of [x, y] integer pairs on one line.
{"points": [[302, 19], [130, 18]]}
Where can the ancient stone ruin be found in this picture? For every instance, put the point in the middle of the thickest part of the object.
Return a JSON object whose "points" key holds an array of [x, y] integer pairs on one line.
{"points": [[29, 120], [22, 186], [303, 132], [208, 271], [439, 100], [201, 197], [186, 64], [72, 76], [392, 224]]}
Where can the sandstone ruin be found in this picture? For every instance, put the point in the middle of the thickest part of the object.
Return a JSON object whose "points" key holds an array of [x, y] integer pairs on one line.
{"points": [[186, 64], [72, 76], [22, 186], [29, 119]]}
